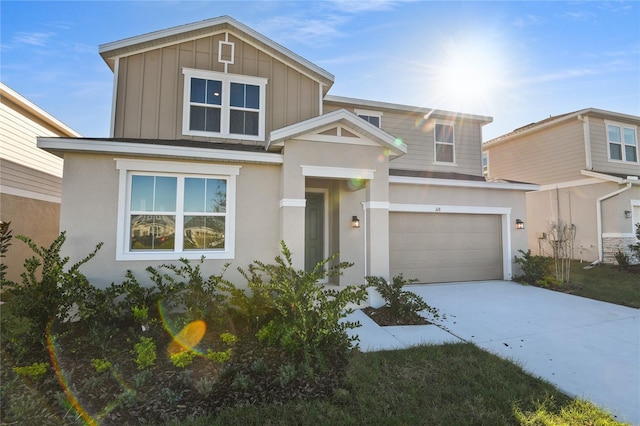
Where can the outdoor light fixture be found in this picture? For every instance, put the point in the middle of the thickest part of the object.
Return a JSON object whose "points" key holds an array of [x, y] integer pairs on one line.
{"points": [[519, 224], [355, 222], [627, 214]]}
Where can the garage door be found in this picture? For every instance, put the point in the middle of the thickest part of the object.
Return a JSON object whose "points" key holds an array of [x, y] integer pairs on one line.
{"points": [[445, 247]]}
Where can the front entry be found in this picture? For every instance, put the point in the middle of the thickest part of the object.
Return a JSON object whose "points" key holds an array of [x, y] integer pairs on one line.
{"points": [[314, 223]]}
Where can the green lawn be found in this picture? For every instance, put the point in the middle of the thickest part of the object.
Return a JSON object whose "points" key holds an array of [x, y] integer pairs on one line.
{"points": [[607, 283], [454, 384]]}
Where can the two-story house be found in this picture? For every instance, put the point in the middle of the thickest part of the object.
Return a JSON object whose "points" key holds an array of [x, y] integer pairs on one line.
{"points": [[224, 143], [30, 179], [588, 166]]}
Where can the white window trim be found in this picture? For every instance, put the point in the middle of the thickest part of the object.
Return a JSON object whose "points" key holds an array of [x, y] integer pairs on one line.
{"points": [[226, 79], [128, 166], [435, 160], [370, 113], [622, 126]]}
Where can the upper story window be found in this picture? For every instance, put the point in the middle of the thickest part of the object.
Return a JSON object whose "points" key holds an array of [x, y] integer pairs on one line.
{"points": [[223, 105], [485, 164], [623, 142], [171, 210], [373, 117], [444, 141]]}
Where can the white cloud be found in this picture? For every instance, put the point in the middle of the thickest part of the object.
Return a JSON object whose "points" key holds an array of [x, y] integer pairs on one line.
{"points": [[34, 39], [527, 21], [359, 6]]}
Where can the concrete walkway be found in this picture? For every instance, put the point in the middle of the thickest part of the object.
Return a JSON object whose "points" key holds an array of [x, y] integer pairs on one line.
{"points": [[586, 348]]}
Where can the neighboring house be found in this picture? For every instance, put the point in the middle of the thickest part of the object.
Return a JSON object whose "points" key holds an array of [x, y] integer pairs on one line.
{"points": [[587, 165], [225, 143], [30, 179]]}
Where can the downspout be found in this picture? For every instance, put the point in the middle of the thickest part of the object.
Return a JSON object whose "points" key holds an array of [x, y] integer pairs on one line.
{"points": [[599, 220], [587, 141], [114, 98]]}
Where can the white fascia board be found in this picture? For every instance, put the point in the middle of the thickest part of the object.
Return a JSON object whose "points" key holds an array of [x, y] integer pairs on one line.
{"points": [[109, 147], [438, 113], [602, 176], [18, 192], [435, 208], [569, 184], [337, 172], [306, 126], [181, 29], [463, 183]]}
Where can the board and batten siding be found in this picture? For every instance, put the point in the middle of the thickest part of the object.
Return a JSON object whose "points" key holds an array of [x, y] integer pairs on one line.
{"points": [[555, 154], [599, 150], [417, 133], [150, 88]]}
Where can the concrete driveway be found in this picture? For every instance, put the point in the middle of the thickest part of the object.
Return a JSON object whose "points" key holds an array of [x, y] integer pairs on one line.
{"points": [[587, 348]]}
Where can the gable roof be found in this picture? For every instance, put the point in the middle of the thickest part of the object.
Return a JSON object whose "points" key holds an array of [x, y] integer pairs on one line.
{"points": [[345, 118], [551, 121], [110, 52]]}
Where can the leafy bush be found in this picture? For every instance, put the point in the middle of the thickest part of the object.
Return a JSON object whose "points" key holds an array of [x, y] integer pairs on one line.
{"points": [[623, 260], [35, 371], [101, 364], [145, 351], [534, 268], [309, 322], [54, 292], [635, 248], [5, 242], [403, 304]]}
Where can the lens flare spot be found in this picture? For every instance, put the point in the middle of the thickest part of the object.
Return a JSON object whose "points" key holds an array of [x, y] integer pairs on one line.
{"points": [[355, 184], [188, 337]]}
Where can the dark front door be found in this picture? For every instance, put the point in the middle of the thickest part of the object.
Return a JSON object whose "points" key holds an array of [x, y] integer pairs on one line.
{"points": [[313, 229]]}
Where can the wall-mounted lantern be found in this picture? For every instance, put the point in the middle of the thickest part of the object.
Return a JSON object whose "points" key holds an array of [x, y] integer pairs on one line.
{"points": [[355, 222], [519, 224], [627, 214]]}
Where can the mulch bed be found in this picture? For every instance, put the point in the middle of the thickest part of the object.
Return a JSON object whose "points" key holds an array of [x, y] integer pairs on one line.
{"points": [[383, 316]]}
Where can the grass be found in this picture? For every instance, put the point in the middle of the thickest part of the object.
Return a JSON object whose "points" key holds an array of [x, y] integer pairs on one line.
{"points": [[453, 384], [607, 283]]}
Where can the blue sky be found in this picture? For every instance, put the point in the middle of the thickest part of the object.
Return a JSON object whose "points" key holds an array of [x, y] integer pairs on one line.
{"points": [[517, 61]]}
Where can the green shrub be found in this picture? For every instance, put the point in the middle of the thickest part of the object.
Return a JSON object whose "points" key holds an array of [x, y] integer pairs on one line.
{"points": [[101, 364], [404, 304], [48, 291], [309, 322], [635, 248], [623, 260], [5, 242], [182, 359], [35, 371], [145, 351], [534, 268]]}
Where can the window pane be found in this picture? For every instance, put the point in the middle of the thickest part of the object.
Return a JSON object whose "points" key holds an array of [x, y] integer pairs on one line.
{"points": [[629, 137], [237, 95], [252, 96], [615, 151], [198, 90], [194, 190], [152, 232], [213, 120], [197, 118], [444, 133], [142, 193], [165, 194], [444, 153], [614, 134], [244, 122], [214, 92], [631, 153], [375, 121], [204, 232], [216, 201]]}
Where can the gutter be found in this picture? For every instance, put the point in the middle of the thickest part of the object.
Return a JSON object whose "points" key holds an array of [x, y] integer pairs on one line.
{"points": [[599, 218]]}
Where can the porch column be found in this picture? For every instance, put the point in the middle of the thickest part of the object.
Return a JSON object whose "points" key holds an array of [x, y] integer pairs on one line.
{"points": [[292, 208], [377, 230]]}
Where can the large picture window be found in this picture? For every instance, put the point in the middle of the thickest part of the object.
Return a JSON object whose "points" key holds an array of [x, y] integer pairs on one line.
{"points": [[187, 210], [223, 105], [623, 142], [444, 143]]}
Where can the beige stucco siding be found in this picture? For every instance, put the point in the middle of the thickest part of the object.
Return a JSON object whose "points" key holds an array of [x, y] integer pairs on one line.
{"points": [[89, 215], [416, 132], [150, 87], [600, 154], [554, 154]]}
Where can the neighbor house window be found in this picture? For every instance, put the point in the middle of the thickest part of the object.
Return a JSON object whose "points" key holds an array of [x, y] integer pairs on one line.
{"points": [[223, 105], [373, 117], [485, 164], [444, 143], [184, 210], [623, 142]]}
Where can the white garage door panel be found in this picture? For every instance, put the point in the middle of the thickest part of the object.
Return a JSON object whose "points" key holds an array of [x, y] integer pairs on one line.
{"points": [[445, 247]]}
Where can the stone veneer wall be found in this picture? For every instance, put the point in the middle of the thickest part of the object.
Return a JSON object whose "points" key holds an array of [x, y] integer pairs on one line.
{"points": [[611, 245]]}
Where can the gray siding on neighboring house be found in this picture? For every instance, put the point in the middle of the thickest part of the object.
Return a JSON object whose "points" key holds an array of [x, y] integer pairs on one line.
{"points": [[551, 155], [29, 181], [599, 150], [150, 87], [417, 133]]}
